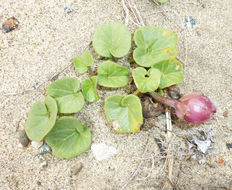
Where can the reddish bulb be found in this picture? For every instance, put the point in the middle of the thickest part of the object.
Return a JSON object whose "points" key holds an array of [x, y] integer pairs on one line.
{"points": [[194, 108]]}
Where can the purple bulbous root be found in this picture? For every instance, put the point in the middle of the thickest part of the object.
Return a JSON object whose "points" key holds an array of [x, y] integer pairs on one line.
{"points": [[194, 108]]}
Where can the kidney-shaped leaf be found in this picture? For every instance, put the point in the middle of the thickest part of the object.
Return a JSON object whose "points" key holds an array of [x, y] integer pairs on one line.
{"points": [[154, 45], [110, 74], [89, 89], [146, 81], [83, 62], [68, 138], [112, 40], [125, 112], [171, 73], [41, 119], [67, 94]]}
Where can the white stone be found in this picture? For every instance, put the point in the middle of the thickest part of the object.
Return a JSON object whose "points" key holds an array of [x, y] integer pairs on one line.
{"points": [[36, 144], [101, 151], [20, 145]]}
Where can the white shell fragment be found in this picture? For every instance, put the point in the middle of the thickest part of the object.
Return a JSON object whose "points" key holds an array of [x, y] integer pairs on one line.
{"points": [[36, 144], [202, 146], [199, 145], [44, 149], [101, 151]]}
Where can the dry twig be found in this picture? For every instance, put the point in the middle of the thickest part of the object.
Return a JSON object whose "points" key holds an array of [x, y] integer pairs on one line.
{"points": [[130, 6], [138, 13], [152, 167], [169, 137], [126, 10]]}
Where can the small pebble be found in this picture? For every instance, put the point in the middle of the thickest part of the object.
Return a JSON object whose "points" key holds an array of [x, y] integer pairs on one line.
{"points": [[229, 145], [76, 169], [42, 162], [67, 10], [225, 113], [161, 146], [220, 161], [10, 24], [189, 21], [38, 183], [174, 92], [36, 144], [23, 139], [44, 149]]}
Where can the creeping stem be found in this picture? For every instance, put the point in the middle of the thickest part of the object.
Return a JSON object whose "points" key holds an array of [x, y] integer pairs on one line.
{"points": [[167, 101]]}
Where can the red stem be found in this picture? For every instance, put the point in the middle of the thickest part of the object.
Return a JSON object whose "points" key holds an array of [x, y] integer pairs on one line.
{"points": [[167, 101]]}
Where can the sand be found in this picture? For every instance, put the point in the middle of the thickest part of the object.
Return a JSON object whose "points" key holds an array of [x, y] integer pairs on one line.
{"points": [[46, 42]]}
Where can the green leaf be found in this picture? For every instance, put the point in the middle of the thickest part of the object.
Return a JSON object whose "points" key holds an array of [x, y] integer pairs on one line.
{"points": [[41, 119], [171, 73], [146, 81], [83, 62], [125, 112], [160, 92], [89, 89], [110, 74], [69, 138], [154, 45], [67, 94], [112, 40]]}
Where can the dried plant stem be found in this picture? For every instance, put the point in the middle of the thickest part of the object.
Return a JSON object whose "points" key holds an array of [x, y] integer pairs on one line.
{"points": [[126, 10], [169, 137], [180, 60], [129, 6], [171, 103], [138, 13]]}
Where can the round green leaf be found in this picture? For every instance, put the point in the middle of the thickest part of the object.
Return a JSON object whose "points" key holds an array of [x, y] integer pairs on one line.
{"points": [[83, 62], [154, 45], [112, 40], [41, 119], [147, 83], [110, 74], [125, 112], [68, 138], [171, 73], [89, 89], [67, 94]]}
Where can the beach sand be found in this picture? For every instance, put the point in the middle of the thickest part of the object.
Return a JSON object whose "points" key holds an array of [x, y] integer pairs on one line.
{"points": [[45, 43]]}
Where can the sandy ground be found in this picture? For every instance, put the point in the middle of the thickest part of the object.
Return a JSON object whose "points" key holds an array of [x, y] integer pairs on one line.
{"points": [[48, 39]]}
